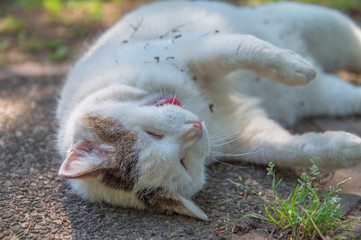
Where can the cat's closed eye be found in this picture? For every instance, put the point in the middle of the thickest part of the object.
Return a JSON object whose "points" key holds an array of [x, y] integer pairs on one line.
{"points": [[154, 135]]}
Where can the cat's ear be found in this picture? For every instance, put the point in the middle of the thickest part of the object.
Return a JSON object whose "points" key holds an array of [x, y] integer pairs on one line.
{"points": [[86, 157], [189, 208], [83, 161], [160, 200]]}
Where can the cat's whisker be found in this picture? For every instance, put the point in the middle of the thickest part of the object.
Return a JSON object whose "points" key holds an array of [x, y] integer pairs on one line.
{"points": [[223, 141], [211, 163], [218, 134], [163, 92], [184, 72], [154, 93], [199, 95], [223, 163], [222, 154], [176, 92], [227, 142]]}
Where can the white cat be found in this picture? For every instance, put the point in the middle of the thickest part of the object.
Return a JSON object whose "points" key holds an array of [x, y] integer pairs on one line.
{"points": [[175, 85]]}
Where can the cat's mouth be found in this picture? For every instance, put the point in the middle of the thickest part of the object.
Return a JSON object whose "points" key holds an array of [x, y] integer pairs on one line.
{"points": [[167, 100]]}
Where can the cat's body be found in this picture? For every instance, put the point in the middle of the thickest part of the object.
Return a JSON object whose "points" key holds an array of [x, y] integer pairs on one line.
{"points": [[162, 92]]}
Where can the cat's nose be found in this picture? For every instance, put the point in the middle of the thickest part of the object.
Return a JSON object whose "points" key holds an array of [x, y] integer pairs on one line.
{"points": [[194, 129]]}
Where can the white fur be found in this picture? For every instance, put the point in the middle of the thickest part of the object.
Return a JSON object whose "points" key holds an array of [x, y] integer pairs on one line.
{"points": [[243, 62]]}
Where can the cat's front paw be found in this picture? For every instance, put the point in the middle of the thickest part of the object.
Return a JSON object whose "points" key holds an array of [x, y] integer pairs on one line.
{"points": [[348, 150], [291, 69], [334, 149]]}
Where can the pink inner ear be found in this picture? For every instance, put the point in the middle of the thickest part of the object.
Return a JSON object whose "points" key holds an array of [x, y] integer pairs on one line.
{"points": [[81, 161], [164, 101], [85, 147]]}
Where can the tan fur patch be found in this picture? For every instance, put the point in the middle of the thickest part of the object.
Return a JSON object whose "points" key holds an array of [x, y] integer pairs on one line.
{"points": [[106, 128], [123, 158], [156, 199]]}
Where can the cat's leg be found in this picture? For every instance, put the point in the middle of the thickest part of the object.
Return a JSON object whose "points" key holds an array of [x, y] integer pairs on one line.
{"points": [[220, 54], [262, 140], [331, 96], [332, 39]]}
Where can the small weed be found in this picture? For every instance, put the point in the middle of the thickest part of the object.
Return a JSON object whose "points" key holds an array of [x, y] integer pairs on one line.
{"points": [[303, 211]]}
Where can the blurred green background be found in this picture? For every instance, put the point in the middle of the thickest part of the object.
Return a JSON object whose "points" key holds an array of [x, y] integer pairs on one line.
{"points": [[56, 30]]}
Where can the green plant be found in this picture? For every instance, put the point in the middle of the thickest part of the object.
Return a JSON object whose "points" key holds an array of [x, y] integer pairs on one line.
{"points": [[303, 211]]}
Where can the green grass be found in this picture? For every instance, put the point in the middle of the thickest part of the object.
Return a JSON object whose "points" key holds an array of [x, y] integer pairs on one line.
{"points": [[304, 212], [343, 5]]}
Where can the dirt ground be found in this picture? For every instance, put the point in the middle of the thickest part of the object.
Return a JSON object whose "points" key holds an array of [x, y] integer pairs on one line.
{"points": [[37, 204]]}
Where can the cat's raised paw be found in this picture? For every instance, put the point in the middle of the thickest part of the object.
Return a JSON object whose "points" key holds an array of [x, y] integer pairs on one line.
{"points": [[291, 69]]}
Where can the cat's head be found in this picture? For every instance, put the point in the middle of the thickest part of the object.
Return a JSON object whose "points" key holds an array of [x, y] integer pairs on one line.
{"points": [[147, 154]]}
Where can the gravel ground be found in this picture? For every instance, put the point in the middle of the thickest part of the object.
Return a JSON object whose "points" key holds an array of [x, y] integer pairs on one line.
{"points": [[37, 204]]}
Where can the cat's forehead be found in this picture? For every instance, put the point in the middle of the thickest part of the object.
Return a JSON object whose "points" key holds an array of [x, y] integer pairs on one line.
{"points": [[107, 128]]}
